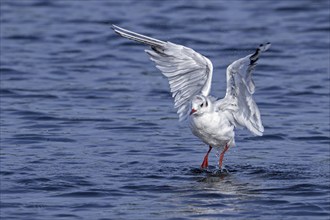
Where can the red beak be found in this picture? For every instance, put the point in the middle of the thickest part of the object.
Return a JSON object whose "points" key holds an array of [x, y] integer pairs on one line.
{"points": [[193, 111]]}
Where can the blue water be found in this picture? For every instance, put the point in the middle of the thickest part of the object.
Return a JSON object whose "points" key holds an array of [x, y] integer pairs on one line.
{"points": [[88, 128]]}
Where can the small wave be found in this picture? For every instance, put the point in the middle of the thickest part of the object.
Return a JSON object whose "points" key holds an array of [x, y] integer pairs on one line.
{"points": [[86, 194], [311, 138], [24, 37]]}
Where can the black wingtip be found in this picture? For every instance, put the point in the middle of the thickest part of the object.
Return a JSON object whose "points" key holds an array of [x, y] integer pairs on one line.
{"points": [[254, 57]]}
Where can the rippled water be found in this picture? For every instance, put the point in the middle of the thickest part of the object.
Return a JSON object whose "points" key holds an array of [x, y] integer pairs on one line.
{"points": [[88, 129]]}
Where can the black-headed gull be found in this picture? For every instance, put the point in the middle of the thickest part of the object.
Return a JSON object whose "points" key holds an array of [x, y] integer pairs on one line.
{"points": [[190, 74]]}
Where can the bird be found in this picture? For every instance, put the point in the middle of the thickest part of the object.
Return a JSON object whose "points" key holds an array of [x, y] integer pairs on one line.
{"points": [[189, 74]]}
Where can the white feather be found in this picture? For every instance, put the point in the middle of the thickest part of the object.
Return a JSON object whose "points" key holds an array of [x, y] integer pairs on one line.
{"points": [[190, 74]]}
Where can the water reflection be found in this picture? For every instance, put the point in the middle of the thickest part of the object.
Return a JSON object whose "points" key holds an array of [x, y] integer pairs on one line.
{"points": [[215, 193]]}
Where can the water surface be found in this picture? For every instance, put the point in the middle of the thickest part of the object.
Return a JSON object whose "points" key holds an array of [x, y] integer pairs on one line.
{"points": [[88, 129]]}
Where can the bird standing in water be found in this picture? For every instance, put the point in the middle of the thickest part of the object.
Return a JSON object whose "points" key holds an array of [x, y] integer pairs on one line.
{"points": [[190, 75]]}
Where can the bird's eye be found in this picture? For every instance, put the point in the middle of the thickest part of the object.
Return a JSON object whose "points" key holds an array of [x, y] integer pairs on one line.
{"points": [[202, 105], [206, 104]]}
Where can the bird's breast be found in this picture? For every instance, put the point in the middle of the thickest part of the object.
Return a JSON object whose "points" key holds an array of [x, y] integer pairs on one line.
{"points": [[212, 128]]}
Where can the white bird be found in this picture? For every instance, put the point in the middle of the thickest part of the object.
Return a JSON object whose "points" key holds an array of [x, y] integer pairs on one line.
{"points": [[190, 74]]}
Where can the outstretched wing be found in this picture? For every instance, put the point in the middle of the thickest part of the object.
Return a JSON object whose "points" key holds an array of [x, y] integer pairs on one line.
{"points": [[240, 88], [188, 72]]}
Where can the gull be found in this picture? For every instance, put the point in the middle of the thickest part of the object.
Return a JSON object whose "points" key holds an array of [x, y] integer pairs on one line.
{"points": [[190, 75]]}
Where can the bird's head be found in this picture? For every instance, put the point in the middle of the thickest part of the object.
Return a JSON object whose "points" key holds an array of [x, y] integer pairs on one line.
{"points": [[199, 105]]}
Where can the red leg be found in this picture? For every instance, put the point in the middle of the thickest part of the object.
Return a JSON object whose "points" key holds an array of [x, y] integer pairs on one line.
{"points": [[222, 155], [206, 159]]}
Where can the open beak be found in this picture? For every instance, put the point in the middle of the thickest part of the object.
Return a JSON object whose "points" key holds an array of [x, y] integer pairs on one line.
{"points": [[193, 111]]}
